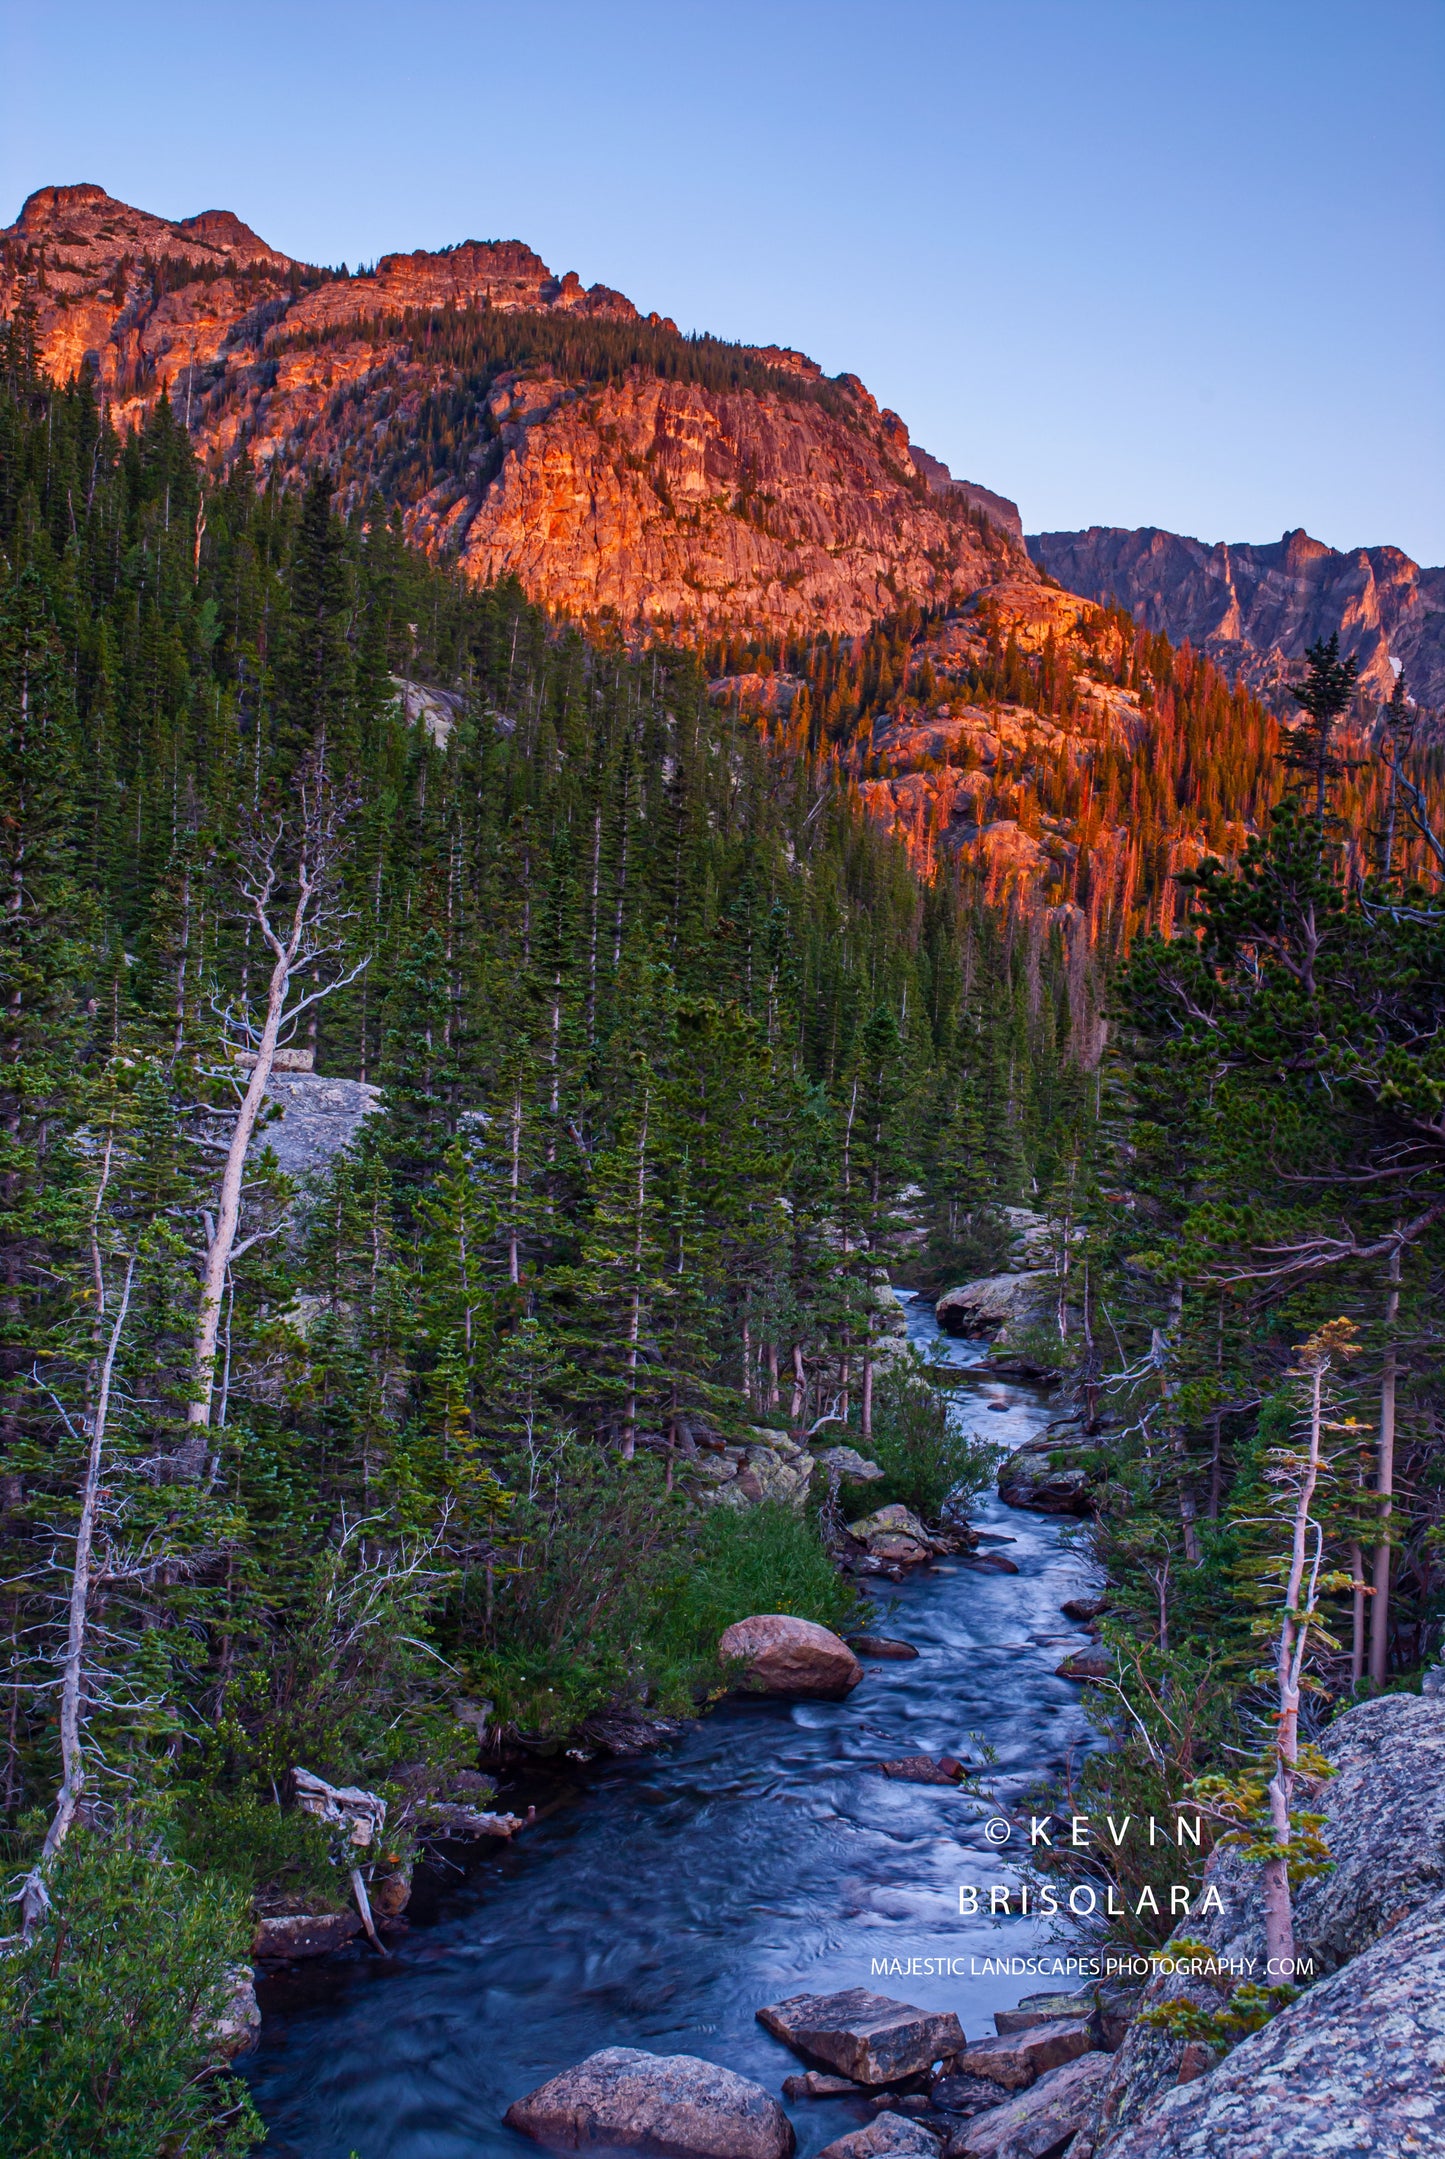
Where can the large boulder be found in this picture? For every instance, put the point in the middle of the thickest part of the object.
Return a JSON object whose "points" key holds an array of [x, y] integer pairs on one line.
{"points": [[1384, 1812], [791, 1656], [863, 2035], [674, 2105], [998, 1302], [771, 1466], [1354, 2066], [893, 1534], [850, 1466], [1040, 2121], [1029, 1477]]}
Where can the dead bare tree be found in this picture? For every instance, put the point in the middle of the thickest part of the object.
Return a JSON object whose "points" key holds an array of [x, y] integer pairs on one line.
{"points": [[288, 890], [34, 1897]]}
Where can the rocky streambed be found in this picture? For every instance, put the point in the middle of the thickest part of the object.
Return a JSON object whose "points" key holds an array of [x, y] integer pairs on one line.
{"points": [[659, 1904]]}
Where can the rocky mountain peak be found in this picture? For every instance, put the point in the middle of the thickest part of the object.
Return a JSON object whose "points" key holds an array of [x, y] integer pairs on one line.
{"points": [[1254, 609]]}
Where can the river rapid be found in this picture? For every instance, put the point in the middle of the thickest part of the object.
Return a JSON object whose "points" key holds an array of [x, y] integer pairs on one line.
{"points": [[761, 1855]]}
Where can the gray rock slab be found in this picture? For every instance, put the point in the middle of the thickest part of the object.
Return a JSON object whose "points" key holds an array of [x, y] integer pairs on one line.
{"points": [[863, 2035], [673, 2105], [1355, 2066]]}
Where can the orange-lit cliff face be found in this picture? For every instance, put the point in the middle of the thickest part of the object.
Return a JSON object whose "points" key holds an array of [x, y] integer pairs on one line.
{"points": [[525, 425], [645, 497]]}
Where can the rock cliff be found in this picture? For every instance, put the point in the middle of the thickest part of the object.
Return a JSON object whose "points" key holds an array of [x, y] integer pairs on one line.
{"points": [[1255, 609], [621, 471], [1360, 2050]]}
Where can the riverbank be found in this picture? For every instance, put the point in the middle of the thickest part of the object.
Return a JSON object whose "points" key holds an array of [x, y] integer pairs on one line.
{"points": [[760, 1855]]}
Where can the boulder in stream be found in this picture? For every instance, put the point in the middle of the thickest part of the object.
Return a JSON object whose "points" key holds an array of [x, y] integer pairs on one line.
{"points": [[923, 1769], [1030, 1478], [784, 1655], [996, 1302], [863, 2035], [1088, 1664], [1042, 2120], [894, 1534], [1018, 2058], [814, 2084], [881, 1645], [673, 2105], [892, 2136], [288, 1933]]}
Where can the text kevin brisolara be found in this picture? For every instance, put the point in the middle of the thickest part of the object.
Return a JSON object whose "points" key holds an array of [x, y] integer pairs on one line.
{"points": [[1024, 1900]]}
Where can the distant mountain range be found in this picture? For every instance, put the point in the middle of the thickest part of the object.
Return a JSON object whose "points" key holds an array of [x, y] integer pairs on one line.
{"points": [[1255, 609]]}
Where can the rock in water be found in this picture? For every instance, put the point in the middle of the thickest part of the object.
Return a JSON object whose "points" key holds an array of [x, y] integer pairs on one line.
{"points": [[673, 2105], [891, 2134], [864, 2036], [1088, 1664], [1030, 1479], [791, 1656], [813, 2084], [880, 1645], [894, 1533], [1040, 2121], [954, 2094], [1020, 2057], [923, 1769], [996, 1303]]}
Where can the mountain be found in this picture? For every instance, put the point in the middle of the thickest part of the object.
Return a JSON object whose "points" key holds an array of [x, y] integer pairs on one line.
{"points": [[851, 597], [521, 423], [1255, 609]]}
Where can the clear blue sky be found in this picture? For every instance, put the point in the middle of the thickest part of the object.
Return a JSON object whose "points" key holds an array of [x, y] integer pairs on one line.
{"points": [[1172, 262]]}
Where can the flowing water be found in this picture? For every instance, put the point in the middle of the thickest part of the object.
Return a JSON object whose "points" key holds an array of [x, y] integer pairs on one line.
{"points": [[759, 1856]]}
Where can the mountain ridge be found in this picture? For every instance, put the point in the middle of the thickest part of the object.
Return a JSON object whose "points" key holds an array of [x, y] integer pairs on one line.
{"points": [[1254, 608], [522, 423]]}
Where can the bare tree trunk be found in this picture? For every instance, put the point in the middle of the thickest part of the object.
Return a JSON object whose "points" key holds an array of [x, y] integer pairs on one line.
{"points": [[1289, 1665], [514, 1271], [1357, 1611], [634, 1326], [34, 1901], [290, 954], [800, 1386], [1385, 1486], [190, 1457]]}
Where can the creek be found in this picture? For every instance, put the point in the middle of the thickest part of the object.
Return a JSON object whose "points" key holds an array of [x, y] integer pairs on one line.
{"points": [[760, 1855]]}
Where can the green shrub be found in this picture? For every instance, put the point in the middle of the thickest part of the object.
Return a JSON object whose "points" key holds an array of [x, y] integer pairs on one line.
{"points": [[619, 1591], [925, 1455], [257, 1847], [103, 2013], [574, 1624], [769, 1559]]}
